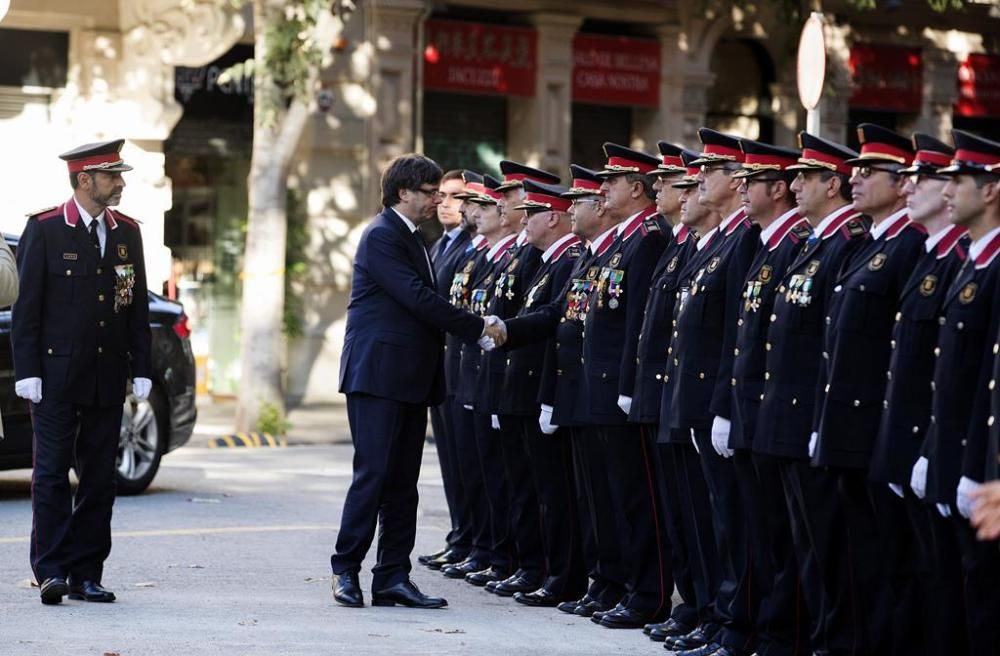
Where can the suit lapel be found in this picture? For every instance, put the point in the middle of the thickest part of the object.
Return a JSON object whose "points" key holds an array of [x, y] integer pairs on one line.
{"points": [[418, 253]]}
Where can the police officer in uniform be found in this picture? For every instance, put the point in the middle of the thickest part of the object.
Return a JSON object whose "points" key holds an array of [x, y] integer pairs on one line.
{"points": [[932, 596], [781, 624], [956, 442], [701, 365], [80, 330], [784, 420]]}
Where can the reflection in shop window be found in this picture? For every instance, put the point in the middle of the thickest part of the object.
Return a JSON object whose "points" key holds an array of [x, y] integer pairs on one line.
{"points": [[33, 58]]}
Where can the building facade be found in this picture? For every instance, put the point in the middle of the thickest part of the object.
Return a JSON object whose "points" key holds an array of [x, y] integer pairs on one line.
{"points": [[541, 82]]}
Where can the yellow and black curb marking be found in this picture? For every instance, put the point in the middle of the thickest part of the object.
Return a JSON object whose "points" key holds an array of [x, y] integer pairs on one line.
{"points": [[248, 440]]}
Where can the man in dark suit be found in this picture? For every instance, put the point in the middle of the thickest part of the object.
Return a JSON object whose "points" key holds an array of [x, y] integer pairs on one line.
{"points": [[80, 329], [446, 254], [391, 371]]}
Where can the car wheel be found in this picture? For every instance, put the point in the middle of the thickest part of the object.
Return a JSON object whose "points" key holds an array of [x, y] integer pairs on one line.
{"points": [[142, 442]]}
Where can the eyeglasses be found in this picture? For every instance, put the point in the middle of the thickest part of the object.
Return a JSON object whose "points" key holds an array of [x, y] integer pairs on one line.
{"points": [[866, 172], [431, 193], [709, 168], [750, 181], [580, 201]]}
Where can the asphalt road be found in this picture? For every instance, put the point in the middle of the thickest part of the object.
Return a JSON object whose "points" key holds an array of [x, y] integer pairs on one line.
{"points": [[228, 553]]}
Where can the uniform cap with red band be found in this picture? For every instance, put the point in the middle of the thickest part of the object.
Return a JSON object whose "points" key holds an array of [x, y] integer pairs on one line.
{"points": [[515, 173], [879, 144], [973, 154], [932, 154], [473, 185], [690, 179], [819, 154], [760, 158], [487, 193], [718, 148], [622, 161], [541, 197], [671, 156], [585, 183], [104, 156]]}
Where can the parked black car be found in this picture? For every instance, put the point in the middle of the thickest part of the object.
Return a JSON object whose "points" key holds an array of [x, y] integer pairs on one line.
{"points": [[150, 428]]}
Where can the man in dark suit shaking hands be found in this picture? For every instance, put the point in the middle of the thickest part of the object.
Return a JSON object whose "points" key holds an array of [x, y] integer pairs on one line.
{"points": [[391, 370]]}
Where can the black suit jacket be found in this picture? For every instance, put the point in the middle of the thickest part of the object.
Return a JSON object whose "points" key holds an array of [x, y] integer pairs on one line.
{"points": [[81, 321], [907, 408], [858, 332]]}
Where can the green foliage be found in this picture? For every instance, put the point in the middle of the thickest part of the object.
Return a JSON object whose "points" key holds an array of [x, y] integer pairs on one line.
{"points": [[271, 419]]}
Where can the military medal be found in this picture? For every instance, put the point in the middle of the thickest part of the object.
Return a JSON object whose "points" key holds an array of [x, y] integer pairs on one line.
{"points": [[510, 287], [529, 301], [812, 267], [124, 284]]}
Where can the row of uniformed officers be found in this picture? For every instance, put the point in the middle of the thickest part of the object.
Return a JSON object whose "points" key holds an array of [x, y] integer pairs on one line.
{"points": [[759, 378]]}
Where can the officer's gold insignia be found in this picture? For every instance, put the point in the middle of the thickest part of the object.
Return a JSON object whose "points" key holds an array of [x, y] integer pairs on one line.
{"points": [[673, 265], [928, 285], [70, 256], [122, 252], [592, 273], [968, 293], [468, 267], [812, 268], [765, 274], [877, 262], [615, 259], [714, 264]]}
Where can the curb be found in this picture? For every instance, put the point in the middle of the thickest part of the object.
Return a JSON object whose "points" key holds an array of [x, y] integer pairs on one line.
{"points": [[249, 441]]}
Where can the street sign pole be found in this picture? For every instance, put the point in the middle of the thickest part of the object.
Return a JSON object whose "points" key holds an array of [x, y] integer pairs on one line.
{"points": [[811, 70]]}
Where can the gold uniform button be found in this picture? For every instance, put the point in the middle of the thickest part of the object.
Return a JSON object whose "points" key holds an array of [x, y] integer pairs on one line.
{"points": [[68, 272], [933, 420], [933, 386], [50, 351], [531, 372], [581, 360], [827, 389], [996, 348], [762, 397], [670, 349], [888, 375], [892, 344], [736, 351], [774, 317], [604, 375], [837, 288], [666, 378], [795, 401], [508, 362], [989, 422], [767, 375], [960, 325], [826, 356], [781, 290], [916, 429], [885, 405], [993, 384], [659, 376], [101, 323], [100, 297], [732, 381], [964, 441], [701, 375], [767, 347], [559, 372], [828, 321], [739, 322], [676, 363]]}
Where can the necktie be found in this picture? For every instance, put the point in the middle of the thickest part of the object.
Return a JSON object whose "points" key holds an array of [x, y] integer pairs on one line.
{"points": [[94, 236], [423, 249], [445, 242]]}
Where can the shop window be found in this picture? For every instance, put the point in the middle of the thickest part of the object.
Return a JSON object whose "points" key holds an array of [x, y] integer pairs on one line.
{"points": [[464, 131], [592, 126], [33, 58]]}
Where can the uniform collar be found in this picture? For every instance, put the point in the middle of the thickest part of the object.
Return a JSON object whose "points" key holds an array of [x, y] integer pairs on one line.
{"points": [[706, 238], [732, 221], [522, 237], [944, 240], [479, 242], [833, 221], [74, 212], [500, 248], [559, 247], [984, 249], [779, 228], [891, 226], [681, 233], [628, 227], [601, 243]]}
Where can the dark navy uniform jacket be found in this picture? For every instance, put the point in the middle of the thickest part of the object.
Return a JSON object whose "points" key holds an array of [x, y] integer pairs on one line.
{"points": [[956, 442], [467, 267], [858, 332], [756, 306], [81, 321], [702, 348], [510, 285], [480, 296], [906, 410], [614, 319], [393, 345], [657, 326], [561, 319], [993, 422], [523, 375], [798, 320], [446, 263]]}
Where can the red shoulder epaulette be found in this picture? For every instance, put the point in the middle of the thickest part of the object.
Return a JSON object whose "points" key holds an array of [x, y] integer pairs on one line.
{"points": [[853, 228], [47, 213], [126, 219]]}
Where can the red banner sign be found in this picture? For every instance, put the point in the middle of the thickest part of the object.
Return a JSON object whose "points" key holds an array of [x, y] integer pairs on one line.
{"points": [[979, 86], [611, 70], [480, 58], [887, 78]]}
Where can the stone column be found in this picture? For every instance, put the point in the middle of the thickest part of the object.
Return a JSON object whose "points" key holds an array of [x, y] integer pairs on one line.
{"points": [[837, 90], [940, 93], [686, 78], [538, 128]]}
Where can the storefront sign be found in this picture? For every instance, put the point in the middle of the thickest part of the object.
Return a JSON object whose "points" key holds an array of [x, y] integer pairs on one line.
{"points": [[979, 86], [616, 70], [480, 58], [886, 78]]}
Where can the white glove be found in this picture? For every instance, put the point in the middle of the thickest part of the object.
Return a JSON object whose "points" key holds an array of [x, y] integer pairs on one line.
{"points": [[545, 420], [486, 343], [963, 496], [695, 443], [495, 422], [625, 403], [141, 388], [813, 439], [720, 436], [943, 509], [29, 389], [918, 477], [896, 489]]}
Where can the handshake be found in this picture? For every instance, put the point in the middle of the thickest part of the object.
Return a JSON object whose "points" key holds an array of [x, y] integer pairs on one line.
{"points": [[494, 333]]}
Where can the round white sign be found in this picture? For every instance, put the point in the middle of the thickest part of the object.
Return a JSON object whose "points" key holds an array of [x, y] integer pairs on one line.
{"points": [[812, 61]]}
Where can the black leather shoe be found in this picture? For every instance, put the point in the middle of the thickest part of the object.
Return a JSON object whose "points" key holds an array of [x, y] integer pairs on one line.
{"points": [[710, 649], [482, 577], [467, 566], [347, 590], [598, 615], [669, 629], [91, 591], [571, 606], [524, 583], [693, 640], [628, 618], [449, 557], [540, 598], [406, 594], [588, 609], [53, 589], [426, 558]]}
